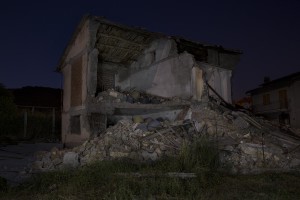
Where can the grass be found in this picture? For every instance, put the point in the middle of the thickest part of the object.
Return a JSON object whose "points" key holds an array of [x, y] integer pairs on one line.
{"points": [[100, 180]]}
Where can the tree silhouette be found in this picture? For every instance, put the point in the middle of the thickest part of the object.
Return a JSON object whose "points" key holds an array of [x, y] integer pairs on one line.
{"points": [[7, 111]]}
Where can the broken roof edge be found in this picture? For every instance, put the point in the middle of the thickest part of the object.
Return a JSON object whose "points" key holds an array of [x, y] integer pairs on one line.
{"points": [[290, 77], [101, 19], [73, 38], [209, 46], [159, 34]]}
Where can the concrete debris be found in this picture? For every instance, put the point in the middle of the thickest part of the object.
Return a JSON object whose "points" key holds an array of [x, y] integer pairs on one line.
{"points": [[70, 159], [247, 144], [133, 96]]}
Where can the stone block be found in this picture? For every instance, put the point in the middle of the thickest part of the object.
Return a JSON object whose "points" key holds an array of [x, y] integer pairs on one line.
{"points": [[149, 156], [71, 159], [113, 94], [154, 124], [142, 127]]}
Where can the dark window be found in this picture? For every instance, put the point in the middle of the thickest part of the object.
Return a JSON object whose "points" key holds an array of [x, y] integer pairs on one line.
{"points": [[75, 124], [283, 102], [105, 79], [266, 99]]}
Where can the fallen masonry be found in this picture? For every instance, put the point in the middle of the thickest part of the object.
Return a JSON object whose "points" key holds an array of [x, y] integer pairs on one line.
{"points": [[246, 144]]}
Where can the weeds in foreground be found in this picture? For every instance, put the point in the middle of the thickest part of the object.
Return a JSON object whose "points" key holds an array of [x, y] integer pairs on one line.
{"points": [[102, 180]]}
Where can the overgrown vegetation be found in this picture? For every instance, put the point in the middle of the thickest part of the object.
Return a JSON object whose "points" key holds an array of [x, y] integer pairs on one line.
{"points": [[8, 112], [119, 180], [38, 126]]}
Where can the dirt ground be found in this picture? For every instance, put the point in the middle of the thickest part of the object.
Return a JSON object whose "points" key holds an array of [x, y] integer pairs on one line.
{"points": [[16, 159]]}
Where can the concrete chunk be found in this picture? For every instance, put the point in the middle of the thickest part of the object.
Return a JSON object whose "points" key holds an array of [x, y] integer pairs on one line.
{"points": [[71, 159]]}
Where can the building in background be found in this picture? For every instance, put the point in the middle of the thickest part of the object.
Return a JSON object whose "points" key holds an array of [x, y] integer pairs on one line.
{"points": [[278, 100], [245, 103]]}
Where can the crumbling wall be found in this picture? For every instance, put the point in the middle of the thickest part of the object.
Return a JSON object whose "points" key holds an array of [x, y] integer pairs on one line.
{"points": [[158, 70], [140, 73], [173, 77], [161, 71], [158, 50], [222, 59], [219, 79], [105, 78], [167, 78]]}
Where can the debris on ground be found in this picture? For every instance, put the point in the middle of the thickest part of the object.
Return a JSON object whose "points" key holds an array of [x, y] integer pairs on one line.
{"points": [[133, 97], [246, 144]]}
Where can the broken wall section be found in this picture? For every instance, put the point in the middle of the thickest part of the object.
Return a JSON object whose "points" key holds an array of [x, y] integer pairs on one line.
{"points": [[168, 78], [219, 79], [170, 74], [160, 71]]}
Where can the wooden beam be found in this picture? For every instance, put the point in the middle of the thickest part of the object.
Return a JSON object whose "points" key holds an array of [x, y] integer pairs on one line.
{"points": [[124, 40]]}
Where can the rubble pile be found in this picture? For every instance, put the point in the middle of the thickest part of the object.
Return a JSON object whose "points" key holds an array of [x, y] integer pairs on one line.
{"points": [[133, 96], [247, 144], [148, 140]]}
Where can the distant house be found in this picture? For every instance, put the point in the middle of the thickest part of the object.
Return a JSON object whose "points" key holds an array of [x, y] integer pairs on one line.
{"points": [[105, 55], [279, 100]]}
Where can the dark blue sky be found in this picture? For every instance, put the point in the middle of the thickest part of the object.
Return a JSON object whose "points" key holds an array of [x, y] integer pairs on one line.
{"points": [[34, 33]]}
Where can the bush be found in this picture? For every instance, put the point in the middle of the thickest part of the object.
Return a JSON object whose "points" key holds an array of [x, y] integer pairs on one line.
{"points": [[199, 156], [8, 112], [39, 124]]}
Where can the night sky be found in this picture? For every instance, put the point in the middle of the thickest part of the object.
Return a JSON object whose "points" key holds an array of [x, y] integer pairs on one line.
{"points": [[34, 34]]}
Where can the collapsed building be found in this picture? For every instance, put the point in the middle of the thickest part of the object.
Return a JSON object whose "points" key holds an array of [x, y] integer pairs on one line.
{"points": [[134, 94], [103, 55]]}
